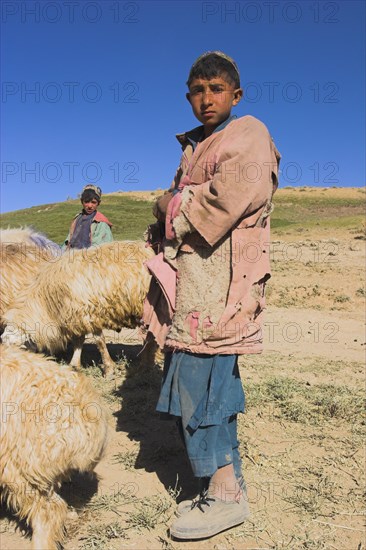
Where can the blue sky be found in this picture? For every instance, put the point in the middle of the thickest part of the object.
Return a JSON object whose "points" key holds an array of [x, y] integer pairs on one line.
{"points": [[94, 91]]}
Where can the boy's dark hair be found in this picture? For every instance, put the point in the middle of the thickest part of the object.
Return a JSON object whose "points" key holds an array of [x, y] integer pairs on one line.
{"points": [[213, 64], [89, 193]]}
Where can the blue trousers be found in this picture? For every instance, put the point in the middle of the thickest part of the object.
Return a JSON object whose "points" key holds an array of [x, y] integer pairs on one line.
{"points": [[206, 393]]}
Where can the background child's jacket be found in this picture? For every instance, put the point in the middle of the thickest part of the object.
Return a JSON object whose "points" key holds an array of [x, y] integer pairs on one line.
{"points": [[100, 230]]}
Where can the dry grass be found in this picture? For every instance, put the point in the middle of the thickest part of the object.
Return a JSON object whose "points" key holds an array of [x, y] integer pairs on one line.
{"points": [[99, 536], [126, 459], [149, 512], [305, 403], [112, 502]]}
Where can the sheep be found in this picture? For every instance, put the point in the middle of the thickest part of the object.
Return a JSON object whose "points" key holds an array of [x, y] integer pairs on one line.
{"points": [[52, 424], [84, 292], [28, 236], [19, 266], [23, 253]]}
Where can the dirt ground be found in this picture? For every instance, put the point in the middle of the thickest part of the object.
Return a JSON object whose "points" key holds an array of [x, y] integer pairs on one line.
{"points": [[301, 437]]}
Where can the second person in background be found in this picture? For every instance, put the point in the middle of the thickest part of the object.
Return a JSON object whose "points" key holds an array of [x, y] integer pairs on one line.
{"points": [[90, 227]]}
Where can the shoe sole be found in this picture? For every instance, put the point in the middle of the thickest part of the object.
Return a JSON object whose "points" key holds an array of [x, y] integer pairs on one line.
{"points": [[207, 533]]}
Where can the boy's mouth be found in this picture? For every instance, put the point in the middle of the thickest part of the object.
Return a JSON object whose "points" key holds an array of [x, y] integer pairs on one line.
{"points": [[207, 113]]}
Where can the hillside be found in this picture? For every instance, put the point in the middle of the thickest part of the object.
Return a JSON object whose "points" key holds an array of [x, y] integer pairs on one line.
{"points": [[297, 210]]}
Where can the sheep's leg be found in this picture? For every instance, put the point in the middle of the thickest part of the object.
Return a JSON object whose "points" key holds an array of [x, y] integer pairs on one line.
{"points": [[48, 521], [76, 358], [108, 365], [45, 514]]}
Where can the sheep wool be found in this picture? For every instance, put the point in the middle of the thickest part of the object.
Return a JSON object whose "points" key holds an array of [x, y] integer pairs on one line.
{"points": [[23, 254], [84, 292], [52, 423]]}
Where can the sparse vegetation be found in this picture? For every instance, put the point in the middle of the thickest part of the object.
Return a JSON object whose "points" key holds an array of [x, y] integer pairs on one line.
{"points": [[305, 403], [341, 298], [149, 512], [99, 536], [127, 459], [110, 502]]}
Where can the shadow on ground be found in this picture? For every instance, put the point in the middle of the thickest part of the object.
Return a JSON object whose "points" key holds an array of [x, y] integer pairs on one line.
{"points": [[160, 447], [21, 525], [90, 353], [76, 492], [79, 489]]}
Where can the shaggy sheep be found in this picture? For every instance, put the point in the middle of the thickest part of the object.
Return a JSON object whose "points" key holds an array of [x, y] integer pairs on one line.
{"points": [[84, 292], [23, 253], [28, 236], [52, 423]]}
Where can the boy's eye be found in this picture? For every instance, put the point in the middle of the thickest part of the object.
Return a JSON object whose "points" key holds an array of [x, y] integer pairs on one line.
{"points": [[212, 89]]}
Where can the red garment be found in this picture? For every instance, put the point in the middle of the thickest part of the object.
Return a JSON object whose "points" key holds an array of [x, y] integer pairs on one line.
{"points": [[233, 175], [99, 217]]}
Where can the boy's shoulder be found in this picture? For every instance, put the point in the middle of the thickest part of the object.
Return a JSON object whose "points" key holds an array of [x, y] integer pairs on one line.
{"points": [[191, 135], [247, 122], [99, 217], [244, 130], [249, 127]]}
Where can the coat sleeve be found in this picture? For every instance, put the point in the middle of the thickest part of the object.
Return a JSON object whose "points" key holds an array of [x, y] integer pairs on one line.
{"points": [[161, 204], [241, 185]]}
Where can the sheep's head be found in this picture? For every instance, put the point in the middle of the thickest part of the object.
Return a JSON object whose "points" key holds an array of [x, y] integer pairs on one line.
{"points": [[33, 336], [13, 334]]}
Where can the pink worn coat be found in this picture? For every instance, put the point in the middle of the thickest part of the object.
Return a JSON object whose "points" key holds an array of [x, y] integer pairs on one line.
{"points": [[221, 250]]}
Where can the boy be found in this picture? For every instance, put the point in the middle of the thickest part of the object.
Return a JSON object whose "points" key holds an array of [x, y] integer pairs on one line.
{"points": [[217, 236], [89, 227]]}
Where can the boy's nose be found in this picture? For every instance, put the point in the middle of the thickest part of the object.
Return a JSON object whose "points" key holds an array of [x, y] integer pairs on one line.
{"points": [[207, 98]]}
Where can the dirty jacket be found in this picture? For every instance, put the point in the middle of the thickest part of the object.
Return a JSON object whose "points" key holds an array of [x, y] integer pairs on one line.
{"points": [[100, 230], [221, 252]]}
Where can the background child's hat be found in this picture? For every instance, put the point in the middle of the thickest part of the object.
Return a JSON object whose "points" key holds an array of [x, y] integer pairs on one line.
{"points": [[97, 190]]}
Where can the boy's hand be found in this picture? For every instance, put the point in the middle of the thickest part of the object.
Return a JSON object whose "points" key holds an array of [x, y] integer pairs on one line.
{"points": [[182, 226], [171, 249], [161, 205]]}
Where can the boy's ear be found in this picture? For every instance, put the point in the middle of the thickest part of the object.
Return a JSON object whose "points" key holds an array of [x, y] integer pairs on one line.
{"points": [[238, 94], [188, 97]]}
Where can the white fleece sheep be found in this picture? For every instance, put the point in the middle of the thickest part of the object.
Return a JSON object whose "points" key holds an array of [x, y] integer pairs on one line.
{"points": [[84, 292], [52, 423], [27, 235], [23, 252]]}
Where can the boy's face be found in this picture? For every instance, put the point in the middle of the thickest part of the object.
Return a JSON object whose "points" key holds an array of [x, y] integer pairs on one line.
{"points": [[90, 206], [212, 101]]}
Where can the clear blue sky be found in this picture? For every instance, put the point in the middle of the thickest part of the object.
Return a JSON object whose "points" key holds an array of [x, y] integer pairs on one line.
{"points": [[108, 81]]}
